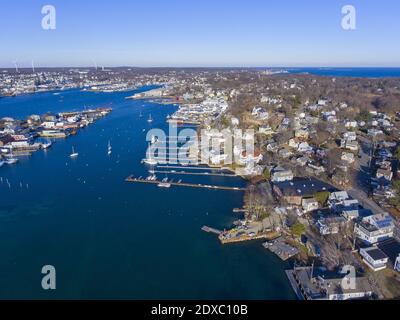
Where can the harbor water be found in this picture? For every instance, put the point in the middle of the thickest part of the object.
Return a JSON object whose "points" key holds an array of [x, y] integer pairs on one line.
{"points": [[109, 239]]}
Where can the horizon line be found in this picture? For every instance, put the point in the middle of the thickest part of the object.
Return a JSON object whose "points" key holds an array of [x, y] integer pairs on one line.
{"points": [[206, 67]]}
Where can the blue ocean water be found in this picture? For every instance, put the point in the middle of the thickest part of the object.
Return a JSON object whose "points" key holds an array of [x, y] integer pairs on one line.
{"points": [[112, 240], [349, 72]]}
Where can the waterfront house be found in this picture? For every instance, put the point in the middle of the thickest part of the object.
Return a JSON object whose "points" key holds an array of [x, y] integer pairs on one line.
{"points": [[374, 258], [281, 175], [19, 141]]}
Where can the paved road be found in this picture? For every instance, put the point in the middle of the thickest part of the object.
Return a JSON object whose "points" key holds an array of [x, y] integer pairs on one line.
{"points": [[366, 202]]}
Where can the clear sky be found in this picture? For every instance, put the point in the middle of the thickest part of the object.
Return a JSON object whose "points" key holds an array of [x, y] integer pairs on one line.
{"points": [[200, 33]]}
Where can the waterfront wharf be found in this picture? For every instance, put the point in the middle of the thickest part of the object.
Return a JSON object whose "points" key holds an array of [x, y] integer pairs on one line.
{"points": [[192, 168], [209, 174], [211, 230], [132, 179]]}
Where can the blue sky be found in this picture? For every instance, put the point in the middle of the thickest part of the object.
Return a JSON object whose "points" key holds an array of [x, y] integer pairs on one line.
{"points": [[200, 33]]}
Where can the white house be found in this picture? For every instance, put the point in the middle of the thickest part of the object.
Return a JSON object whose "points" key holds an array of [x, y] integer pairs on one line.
{"points": [[260, 113], [350, 145], [282, 176], [375, 228], [235, 121], [48, 124], [294, 143], [310, 205], [339, 196], [248, 158], [304, 147], [351, 124], [374, 258]]}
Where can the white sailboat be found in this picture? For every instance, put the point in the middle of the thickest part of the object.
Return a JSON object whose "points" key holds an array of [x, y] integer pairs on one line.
{"points": [[109, 148], [150, 120], [74, 154], [164, 183]]}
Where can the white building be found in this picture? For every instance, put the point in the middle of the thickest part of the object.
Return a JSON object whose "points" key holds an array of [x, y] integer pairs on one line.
{"points": [[374, 258], [375, 228], [310, 205], [282, 176]]}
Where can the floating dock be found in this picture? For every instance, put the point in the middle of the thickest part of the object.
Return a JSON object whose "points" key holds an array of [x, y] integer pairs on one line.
{"points": [[132, 179]]}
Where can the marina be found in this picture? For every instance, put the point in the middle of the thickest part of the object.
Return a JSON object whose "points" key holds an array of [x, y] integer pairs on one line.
{"points": [[101, 202], [132, 179]]}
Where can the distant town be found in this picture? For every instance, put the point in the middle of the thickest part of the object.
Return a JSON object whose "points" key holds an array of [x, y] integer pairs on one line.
{"points": [[323, 181]]}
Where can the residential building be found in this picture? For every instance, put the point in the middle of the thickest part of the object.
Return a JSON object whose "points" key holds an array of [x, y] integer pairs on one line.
{"points": [[374, 258]]}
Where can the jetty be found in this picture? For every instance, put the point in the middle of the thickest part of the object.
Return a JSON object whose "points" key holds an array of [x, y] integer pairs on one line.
{"points": [[132, 179], [210, 174], [211, 230], [227, 238], [192, 168]]}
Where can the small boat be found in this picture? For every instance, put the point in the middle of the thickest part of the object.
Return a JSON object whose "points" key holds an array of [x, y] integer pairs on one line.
{"points": [[164, 185], [1, 164], [47, 145], [74, 154], [151, 161], [150, 120], [140, 115], [109, 148], [11, 160]]}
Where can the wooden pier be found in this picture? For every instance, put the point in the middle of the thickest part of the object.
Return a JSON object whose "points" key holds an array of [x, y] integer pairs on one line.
{"points": [[211, 230], [132, 179], [210, 174], [192, 168]]}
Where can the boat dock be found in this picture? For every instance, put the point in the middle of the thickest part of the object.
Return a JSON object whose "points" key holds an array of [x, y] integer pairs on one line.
{"points": [[211, 230], [245, 238], [192, 168], [195, 173], [132, 179]]}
